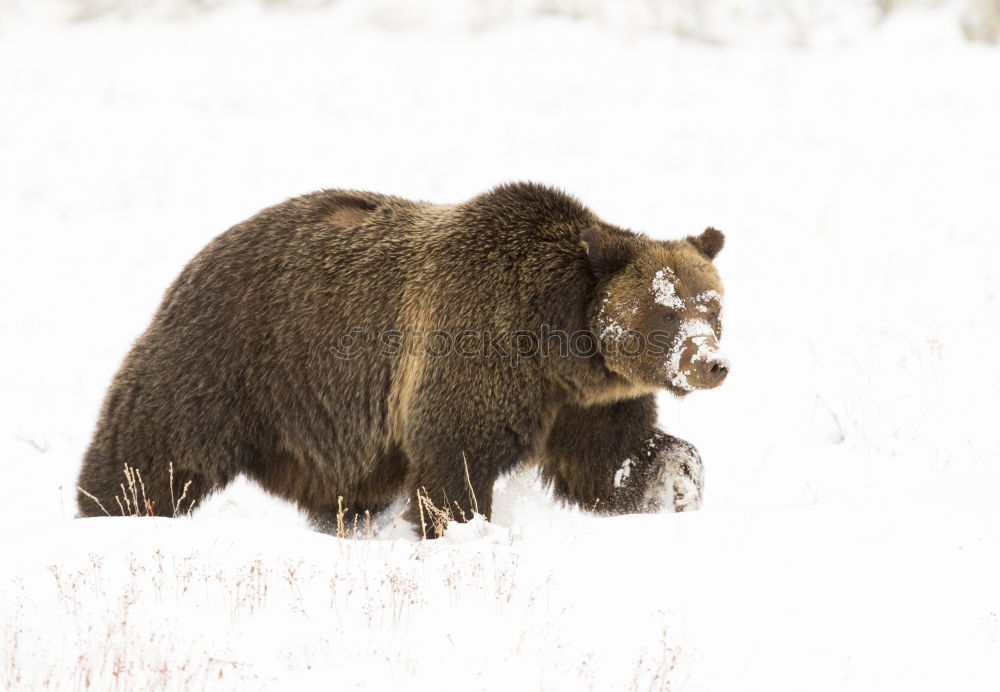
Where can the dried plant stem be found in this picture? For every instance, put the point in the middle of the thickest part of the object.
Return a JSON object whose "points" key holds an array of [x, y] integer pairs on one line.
{"points": [[438, 516], [173, 504], [420, 506], [184, 493], [130, 477], [94, 499], [468, 482], [145, 501]]}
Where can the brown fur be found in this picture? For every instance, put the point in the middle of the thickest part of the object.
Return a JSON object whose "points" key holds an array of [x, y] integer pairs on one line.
{"points": [[238, 371]]}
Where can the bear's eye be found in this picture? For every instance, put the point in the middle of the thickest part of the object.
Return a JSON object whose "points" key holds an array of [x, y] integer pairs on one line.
{"points": [[714, 316], [669, 316]]}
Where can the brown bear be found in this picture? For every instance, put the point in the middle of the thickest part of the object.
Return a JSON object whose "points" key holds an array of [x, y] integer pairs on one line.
{"points": [[344, 349]]}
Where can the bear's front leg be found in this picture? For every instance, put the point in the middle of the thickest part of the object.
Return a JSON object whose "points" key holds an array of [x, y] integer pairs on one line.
{"points": [[613, 459], [676, 478]]}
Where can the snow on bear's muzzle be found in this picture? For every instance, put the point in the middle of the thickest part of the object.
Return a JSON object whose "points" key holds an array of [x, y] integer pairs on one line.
{"points": [[696, 361]]}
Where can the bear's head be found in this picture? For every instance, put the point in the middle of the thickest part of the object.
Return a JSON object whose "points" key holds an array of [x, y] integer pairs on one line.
{"points": [[658, 309]]}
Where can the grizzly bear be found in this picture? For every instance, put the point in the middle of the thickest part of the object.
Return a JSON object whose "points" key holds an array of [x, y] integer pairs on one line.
{"points": [[344, 349]]}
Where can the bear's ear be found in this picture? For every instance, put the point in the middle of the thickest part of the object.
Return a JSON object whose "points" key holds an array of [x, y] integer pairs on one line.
{"points": [[606, 250], [709, 242]]}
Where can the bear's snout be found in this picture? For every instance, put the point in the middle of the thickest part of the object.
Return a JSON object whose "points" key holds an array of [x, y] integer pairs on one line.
{"points": [[713, 372], [701, 364]]}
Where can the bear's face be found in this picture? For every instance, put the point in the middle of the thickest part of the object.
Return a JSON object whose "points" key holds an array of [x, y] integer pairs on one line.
{"points": [[658, 318]]}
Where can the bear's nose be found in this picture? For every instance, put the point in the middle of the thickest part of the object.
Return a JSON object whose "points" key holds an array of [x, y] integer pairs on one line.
{"points": [[715, 371]]}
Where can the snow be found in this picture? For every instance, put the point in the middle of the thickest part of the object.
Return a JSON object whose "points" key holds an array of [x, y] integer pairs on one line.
{"points": [[664, 291], [622, 474], [611, 329], [706, 300], [692, 333], [707, 350], [850, 534]]}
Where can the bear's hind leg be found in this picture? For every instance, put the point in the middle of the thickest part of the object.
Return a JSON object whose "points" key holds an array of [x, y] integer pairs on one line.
{"points": [[141, 488]]}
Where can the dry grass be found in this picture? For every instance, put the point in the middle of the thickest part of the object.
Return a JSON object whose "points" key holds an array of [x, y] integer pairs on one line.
{"points": [[432, 518], [188, 613], [133, 502], [165, 620]]}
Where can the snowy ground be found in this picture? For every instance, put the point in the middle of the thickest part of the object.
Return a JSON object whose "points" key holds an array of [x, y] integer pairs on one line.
{"points": [[850, 537]]}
